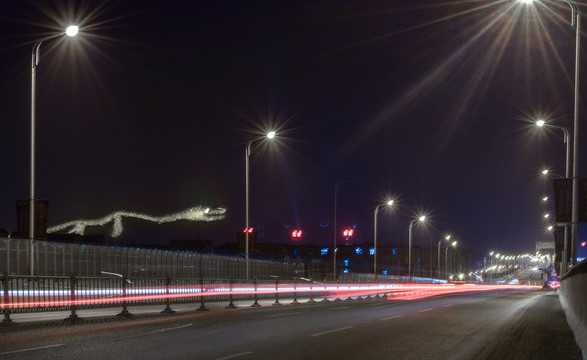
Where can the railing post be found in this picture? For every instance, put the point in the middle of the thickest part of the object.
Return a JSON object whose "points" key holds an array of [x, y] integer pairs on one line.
{"points": [[124, 311], [256, 303], [230, 305], [6, 287], [325, 299], [311, 301], [276, 303], [295, 300], [202, 306], [167, 309], [72, 284]]}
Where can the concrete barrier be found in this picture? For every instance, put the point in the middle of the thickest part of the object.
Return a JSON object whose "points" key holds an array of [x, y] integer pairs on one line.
{"points": [[573, 298]]}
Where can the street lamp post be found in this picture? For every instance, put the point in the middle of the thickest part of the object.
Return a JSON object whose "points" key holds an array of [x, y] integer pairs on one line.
{"points": [[388, 203], [71, 31], [421, 218], [446, 238], [270, 135], [454, 244], [334, 230], [575, 21], [542, 123]]}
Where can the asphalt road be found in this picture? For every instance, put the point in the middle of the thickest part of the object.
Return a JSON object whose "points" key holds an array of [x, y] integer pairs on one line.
{"points": [[498, 325]]}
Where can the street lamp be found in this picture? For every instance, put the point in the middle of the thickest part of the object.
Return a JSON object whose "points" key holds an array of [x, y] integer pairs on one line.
{"points": [[71, 31], [270, 135], [454, 245], [446, 238], [542, 123], [547, 172], [334, 230], [388, 203], [421, 219], [575, 21]]}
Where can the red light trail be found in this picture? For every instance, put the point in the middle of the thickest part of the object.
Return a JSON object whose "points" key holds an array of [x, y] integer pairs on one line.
{"points": [[47, 298]]}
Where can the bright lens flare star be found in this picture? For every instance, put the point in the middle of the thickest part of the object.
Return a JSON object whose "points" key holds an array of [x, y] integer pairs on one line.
{"points": [[72, 30]]}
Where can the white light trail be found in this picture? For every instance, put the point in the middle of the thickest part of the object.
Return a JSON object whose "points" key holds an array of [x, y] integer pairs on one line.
{"points": [[198, 213]]}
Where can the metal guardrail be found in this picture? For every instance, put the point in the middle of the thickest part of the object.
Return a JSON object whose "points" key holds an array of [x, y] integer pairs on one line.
{"points": [[26, 294]]}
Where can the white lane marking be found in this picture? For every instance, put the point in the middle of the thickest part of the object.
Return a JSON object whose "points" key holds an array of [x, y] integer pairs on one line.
{"points": [[392, 317], [426, 310], [32, 349], [168, 329], [331, 331], [235, 355], [288, 314], [340, 308]]}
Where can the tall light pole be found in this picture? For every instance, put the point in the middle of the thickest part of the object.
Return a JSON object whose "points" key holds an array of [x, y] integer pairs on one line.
{"points": [[388, 203], [454, 244], [542, 123], [421, 218], [71, 31], [270, 135], [576, 22], [334, 230], [446, 238]]}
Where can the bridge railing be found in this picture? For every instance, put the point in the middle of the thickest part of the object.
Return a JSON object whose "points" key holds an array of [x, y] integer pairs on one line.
{"points": [[63, 259], [573, 297], [26, 294]]}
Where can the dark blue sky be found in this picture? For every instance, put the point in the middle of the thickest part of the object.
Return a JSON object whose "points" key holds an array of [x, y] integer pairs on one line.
{"points": [[427, 101]]}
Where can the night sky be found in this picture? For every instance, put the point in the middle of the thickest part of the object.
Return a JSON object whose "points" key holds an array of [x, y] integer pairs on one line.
{"points": [[430, 102]]}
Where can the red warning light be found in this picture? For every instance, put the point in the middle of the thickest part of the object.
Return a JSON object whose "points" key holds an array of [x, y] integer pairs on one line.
{"points": [[348, 232], [296, 234], [249, 230], [584, 243]]}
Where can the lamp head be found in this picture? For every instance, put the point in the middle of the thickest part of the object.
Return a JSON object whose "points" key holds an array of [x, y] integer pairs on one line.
{"points": [[270, 134], [390, 203], [540, 123], [72, 30]]}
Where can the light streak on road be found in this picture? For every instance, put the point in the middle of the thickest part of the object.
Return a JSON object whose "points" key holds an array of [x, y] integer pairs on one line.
{"points": [[61, 298]]}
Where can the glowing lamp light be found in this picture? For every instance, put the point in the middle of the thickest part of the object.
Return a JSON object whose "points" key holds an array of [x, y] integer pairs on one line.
{"points": [[270, 134], [584, 243], [540, 123], [348, 233], [545, 172], [422, 218], [72, 30]]}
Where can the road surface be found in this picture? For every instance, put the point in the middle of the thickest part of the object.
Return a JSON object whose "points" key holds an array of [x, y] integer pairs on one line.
{"points": [[496, 325]]}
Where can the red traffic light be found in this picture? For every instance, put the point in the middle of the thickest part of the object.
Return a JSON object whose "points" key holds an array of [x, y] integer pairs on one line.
{"points": [[296, 234], [348, 232]]}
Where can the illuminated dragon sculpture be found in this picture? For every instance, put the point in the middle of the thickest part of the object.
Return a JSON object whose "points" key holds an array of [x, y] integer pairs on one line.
{"points": [[198, 213]]}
